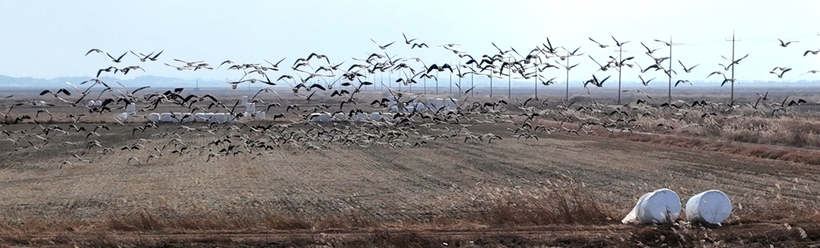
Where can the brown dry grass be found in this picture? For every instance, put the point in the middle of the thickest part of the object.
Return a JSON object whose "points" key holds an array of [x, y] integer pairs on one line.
{"points": [[565, 181], [767, 152], [573, 205]]}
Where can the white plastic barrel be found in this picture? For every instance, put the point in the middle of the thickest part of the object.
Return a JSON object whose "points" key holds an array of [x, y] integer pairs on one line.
{"points": [[165, 117], [439, 102], [656, 207], [123, 116], [420, 107], [219, 118], [259, 115], [709, 207], [131, 108], [451, 103], [340, 117], [153, 117], [362, 117]]}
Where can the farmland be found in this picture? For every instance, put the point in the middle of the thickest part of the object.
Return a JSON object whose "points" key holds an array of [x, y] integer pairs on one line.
{"points": [[562, 189]]}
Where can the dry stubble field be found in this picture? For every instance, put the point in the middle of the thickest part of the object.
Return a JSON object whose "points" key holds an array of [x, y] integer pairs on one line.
{"points": [[560, 190]]}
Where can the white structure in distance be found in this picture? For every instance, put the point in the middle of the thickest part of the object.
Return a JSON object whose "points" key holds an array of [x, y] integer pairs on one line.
{"points": [[176, 117]]}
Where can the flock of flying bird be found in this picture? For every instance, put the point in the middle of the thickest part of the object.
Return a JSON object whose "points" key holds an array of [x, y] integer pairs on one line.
{"points": [[527, 119]]}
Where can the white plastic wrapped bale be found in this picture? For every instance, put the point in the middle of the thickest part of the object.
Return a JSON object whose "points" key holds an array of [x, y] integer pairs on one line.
{"points": [[165, 117], [91, 103], [340, 117], [376, 116], [131, 108], [200, 117], [176, 117], [153, 117], [362, 117], [187, 117], [387, 116], [394, 109], [319, 117], [219, 118], [250, 108], [451, 103], [209, 117], [409, 109], [709, 207], [259, 115], [656, 207], [123, 116], [420, 107], [230, 118]]}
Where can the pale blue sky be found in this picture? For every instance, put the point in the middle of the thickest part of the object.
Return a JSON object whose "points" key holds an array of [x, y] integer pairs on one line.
{"points": [[48, 39]]}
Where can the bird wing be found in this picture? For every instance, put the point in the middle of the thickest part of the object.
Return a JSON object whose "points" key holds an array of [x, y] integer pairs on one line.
{"points": [[140, 88], [590, 38], [123, 55]]}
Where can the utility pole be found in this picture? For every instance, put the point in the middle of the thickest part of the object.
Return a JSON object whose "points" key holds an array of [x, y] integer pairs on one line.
{"points": [[491, 82], [410, 86], [568, 67], [535, 65], [436, 82], [425, 85], [472, 81], [451, 80], [668, 71], [620, 66], [509, 77], [459, 77], [568, 77], [732, 64]]}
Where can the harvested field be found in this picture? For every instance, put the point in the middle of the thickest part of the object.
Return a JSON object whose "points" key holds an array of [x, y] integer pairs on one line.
{"points": [[176, 188]]}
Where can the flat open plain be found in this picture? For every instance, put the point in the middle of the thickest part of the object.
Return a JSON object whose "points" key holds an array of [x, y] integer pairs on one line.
{"points": [[173, 187]]}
